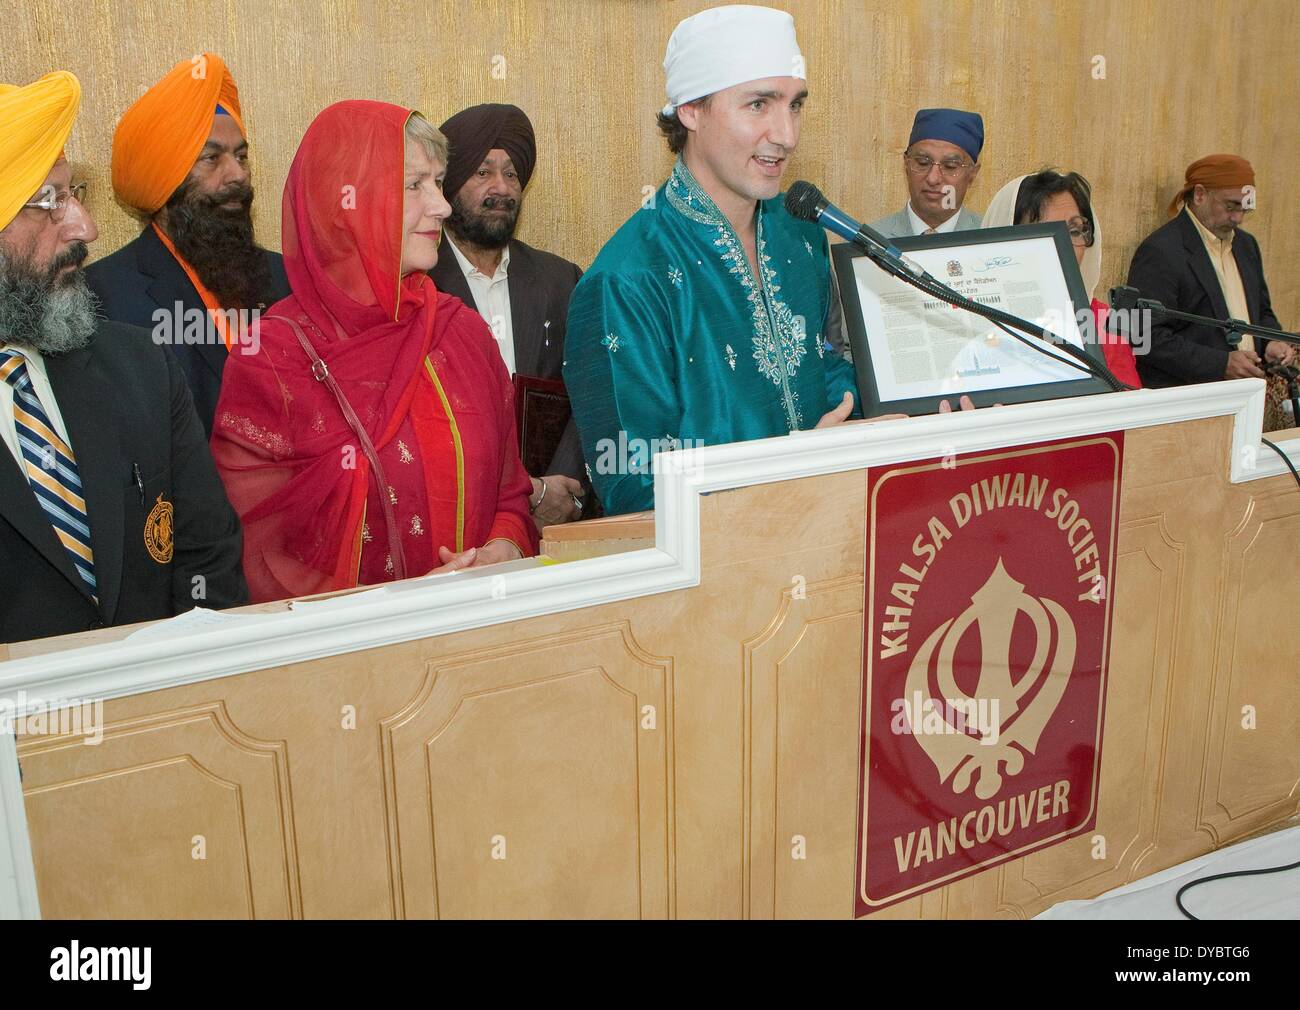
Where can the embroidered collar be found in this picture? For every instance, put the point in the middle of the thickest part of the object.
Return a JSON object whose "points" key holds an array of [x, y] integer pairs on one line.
{"points": [[688, 198]]}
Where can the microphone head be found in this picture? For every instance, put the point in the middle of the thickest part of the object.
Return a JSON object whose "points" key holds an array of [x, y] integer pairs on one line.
{"points": [[804, 201], [1124, 298]]}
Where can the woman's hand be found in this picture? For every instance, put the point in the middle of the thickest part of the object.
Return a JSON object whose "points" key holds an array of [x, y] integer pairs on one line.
{"points": [[491, 553], [494, 552], [453, 562]]}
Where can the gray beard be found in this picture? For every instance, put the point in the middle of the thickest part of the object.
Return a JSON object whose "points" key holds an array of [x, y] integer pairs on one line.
{"points": [[52, 316]]}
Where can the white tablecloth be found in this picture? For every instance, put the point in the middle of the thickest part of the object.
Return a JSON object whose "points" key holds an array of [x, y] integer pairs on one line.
{"points": [[1264, 896]]}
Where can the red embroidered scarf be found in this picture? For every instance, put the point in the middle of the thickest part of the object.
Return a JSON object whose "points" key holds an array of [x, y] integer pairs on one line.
{"points": [[420, 369]]}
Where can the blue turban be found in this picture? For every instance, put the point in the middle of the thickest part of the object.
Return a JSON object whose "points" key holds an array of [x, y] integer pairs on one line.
{"points": [[965, 129]]}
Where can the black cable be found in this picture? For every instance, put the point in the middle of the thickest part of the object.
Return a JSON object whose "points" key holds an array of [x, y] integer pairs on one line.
{"points": [[1178, 898], [1285, 459]]}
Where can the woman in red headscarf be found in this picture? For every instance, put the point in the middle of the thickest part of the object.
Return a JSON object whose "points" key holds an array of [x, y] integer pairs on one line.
{"points": [[371, 436]]}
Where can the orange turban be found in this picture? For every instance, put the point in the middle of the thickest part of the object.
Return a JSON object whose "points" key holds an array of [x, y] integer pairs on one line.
{"points": [[161, 136], [34, 125], [1217, 171]]}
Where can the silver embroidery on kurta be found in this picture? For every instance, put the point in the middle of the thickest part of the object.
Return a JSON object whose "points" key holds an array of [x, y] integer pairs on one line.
{"points": [[778, 340]]}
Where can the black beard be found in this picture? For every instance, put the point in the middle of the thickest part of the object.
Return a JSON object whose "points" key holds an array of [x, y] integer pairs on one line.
{"points": [[483, 230], [218, 243], [44, 309]]}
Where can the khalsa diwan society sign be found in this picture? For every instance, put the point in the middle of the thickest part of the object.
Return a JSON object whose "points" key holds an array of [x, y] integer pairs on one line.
{"points": [[988, 605]]}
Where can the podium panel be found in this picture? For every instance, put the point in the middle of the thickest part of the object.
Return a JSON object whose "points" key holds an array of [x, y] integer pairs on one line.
{"points": [[680, 735]]}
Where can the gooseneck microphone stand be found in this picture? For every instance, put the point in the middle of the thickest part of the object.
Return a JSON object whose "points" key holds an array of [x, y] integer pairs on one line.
{"points": [[1127, 299], [1131, 298]]}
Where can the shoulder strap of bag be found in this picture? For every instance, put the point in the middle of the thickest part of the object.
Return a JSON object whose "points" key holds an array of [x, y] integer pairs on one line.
{"points": [[321, 373]]}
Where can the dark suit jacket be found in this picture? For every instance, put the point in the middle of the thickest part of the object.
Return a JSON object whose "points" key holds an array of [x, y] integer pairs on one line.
{"points": [[540, 285], [143, 277], [1172, 266], [124, 402]]}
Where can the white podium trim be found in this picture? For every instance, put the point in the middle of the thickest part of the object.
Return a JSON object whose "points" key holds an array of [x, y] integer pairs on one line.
{"points": [[17, 873], [446, 604]]}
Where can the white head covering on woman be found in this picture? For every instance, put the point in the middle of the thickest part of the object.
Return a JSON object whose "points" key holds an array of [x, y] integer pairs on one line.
{"points": [[1002, 212], [721, 47]]}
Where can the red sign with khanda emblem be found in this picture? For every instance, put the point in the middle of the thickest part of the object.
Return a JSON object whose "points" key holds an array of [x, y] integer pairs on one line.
{"points": [[989, 582]]}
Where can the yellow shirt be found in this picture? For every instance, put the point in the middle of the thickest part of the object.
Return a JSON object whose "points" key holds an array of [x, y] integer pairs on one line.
{"points": [[1225, 268]]}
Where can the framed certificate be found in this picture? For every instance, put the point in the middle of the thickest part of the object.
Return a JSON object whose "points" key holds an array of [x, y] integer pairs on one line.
{"points": [[911, 350]]}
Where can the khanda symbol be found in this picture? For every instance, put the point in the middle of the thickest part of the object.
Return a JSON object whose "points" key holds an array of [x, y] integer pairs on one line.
{"points": [[994, 607]]}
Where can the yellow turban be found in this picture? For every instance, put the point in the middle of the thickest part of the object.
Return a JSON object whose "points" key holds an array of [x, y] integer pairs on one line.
{"points": [[161, 136], [34, 125]]}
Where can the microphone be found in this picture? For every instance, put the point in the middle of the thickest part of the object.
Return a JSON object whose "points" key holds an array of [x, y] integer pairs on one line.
{"points": [[1125, 298], [805, 202]]}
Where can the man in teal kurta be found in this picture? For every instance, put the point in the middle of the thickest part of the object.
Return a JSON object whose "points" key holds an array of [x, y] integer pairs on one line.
{"points": [[702, 319]]}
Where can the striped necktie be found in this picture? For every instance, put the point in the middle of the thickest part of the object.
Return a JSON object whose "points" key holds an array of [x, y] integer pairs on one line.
{"points": [[51, 468]]}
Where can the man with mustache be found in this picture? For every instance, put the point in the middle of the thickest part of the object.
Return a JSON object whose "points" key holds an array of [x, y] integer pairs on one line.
{"points": [[1201, 261], [195, 275], [522, 292], [111, 511]]}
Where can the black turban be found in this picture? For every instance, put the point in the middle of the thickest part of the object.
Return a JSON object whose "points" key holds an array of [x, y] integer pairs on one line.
{"points": [[481, 128]]}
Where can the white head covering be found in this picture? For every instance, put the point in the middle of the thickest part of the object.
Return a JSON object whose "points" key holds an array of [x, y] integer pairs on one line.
{"points": [[1002, 212], [725, 46]]}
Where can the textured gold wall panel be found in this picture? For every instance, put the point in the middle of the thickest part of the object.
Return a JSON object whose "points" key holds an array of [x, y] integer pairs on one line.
{"points": [[1182, 80]]}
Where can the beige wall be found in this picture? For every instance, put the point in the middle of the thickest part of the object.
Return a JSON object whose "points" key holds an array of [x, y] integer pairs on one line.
{"points": [[1182, 80]]}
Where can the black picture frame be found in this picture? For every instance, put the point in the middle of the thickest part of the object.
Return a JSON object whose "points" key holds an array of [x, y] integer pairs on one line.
{"points": [[845, 255]]}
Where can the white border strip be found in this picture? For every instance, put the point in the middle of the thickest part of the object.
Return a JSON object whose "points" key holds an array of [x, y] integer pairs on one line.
{"points": [[18, 898], [443, 605]]}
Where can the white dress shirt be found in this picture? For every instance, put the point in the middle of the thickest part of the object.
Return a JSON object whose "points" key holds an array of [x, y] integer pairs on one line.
{"points": [[919, 227], [492, 296], [44, 392]]}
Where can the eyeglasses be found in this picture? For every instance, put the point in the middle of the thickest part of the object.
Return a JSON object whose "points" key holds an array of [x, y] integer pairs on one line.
{"points": [[1080, 232], [55, 203], [1231, 206], [920, 164]]}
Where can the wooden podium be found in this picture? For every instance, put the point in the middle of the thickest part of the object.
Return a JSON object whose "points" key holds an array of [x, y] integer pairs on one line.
{"points": [[670, 730]]}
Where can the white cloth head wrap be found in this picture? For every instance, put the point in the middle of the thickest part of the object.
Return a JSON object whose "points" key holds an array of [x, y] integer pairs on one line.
{"points": [[1002, 212], [721, 47]]}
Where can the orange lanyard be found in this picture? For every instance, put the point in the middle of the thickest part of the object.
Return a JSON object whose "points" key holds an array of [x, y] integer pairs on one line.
{"points": [[215, 311]]}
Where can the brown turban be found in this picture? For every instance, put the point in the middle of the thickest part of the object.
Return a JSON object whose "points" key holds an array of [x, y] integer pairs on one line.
{"points": [[482, 128], [1217, 171]]}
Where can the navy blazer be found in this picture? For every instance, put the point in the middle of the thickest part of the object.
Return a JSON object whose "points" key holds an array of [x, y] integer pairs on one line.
{"points": [[142, 277], [139, 447], [1172, 267]]}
